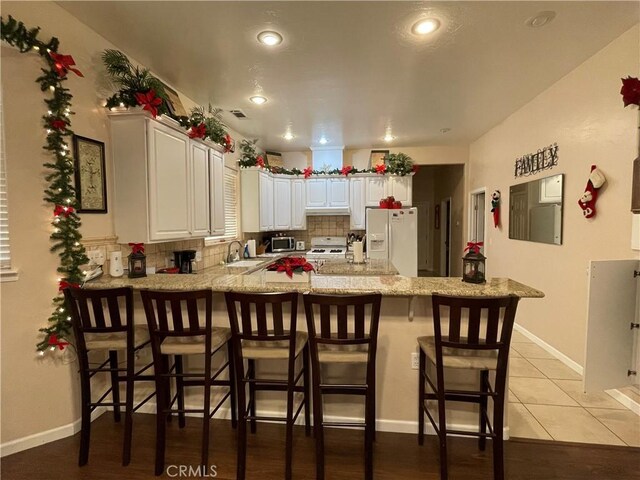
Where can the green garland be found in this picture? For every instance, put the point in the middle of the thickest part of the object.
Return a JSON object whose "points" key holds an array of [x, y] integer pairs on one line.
{"points": [[60, 193], [395, 164], [132, 81]]}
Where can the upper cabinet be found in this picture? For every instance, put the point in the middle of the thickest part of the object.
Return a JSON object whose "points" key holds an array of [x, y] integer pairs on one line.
{"points": [[401, 188], [316, 192], [338, 193], [256, 194], [282, 203], [298, 204], [375, 190], [357, 186], [163, 181]]}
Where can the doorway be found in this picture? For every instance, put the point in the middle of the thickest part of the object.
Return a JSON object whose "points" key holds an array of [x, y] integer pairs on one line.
{"points": [[477, 217]]}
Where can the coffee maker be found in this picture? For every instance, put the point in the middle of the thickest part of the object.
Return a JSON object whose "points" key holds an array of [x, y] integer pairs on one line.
{"points": [[183, 258]]}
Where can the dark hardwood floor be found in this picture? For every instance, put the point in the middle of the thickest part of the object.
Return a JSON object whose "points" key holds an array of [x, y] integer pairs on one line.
{"points": [[397, 456]]}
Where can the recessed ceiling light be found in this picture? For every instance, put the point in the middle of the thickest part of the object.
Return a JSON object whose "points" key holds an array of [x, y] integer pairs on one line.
{"points": [[288, 136], [445, 130], [323, 141], [541, 19], [258, 99], [389, 138], [425, 26], [270, 38]]}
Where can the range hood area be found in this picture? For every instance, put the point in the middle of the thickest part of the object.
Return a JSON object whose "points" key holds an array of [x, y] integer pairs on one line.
{"points": [[328, 195]]}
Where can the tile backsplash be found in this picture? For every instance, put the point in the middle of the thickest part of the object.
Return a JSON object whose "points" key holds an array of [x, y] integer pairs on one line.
{"points": [[157, 253]]}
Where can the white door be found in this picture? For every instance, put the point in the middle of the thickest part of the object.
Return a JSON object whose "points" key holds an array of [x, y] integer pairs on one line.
{"points": [[266, 202], [200, 189], [356, 198], [298, 204], [401, 189], [612, 307], [338, 192], [425, 238], [281, 203], [316, 192], [376, 190], [169, 184], [216, 182]]}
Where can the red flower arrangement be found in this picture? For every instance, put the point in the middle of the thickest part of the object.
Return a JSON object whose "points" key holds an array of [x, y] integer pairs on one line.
{"points": [[228, 143], [149, 101], [60, 210], [346, 170], [198, 131], [291, 265], [260, 161], [630, 91]]}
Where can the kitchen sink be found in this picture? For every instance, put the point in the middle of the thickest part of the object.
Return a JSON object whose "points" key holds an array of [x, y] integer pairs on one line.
{"points": [[245, 263]]}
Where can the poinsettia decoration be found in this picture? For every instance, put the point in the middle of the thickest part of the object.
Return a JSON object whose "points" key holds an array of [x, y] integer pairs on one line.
{"points": [[630, 91], [307, 172], [149, 101], [291, 265], [346, 170], [198, 131]]}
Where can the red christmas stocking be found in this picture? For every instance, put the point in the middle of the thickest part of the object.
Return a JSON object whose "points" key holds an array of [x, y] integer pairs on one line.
{"points": [[588, 199]]}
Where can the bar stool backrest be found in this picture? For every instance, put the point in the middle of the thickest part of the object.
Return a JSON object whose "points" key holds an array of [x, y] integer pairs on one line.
{"points": [[166, 312], [87, 311], [343, 328], [261, 317], [474, 323]]}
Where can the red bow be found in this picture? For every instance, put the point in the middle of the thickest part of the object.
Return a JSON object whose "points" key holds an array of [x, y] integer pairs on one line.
{"points": [[64, 284], [63, 64], [149, 101], [474, 246], [58, 124], [228, 143], [137, 247], [54, 342], [380, 169], [198, 132], [60, 210], [260, 161], [346, 170], [307, 172]]}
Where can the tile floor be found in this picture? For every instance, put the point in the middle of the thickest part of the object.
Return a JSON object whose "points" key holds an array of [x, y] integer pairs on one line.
{"points": [[546, 402]]}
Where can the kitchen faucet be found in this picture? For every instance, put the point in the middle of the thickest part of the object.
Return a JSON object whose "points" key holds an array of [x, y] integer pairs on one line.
{"points": [[230, 259]]}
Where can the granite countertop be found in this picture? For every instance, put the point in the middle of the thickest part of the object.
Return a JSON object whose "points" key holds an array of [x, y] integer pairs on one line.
{"points": [[370, 267], [390, 285]]}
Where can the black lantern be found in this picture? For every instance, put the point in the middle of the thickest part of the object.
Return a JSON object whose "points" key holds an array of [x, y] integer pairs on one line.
{"points": [[473, 267], [137, 261]]}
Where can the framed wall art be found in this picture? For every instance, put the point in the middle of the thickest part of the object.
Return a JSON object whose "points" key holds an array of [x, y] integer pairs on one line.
{"points": [[377, 157], [90, 175]]}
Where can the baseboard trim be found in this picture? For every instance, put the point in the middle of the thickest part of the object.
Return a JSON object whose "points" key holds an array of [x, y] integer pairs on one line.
{"points": [[626, 401], [572, 364], [37, 439]]}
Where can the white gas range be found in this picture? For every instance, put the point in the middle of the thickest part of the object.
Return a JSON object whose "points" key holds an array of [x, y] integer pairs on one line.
{"points": [[327, 248]]}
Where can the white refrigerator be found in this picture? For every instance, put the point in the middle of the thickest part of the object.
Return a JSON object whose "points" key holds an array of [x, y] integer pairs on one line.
{"points": [[393, 234]]}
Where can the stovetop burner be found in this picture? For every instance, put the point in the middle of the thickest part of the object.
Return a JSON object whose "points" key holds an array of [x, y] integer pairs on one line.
{"points": [[336, 250], [318, 250]]}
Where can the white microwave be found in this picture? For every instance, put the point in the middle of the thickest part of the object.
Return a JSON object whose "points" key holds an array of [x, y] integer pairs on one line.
{"points": [[283, 244]]}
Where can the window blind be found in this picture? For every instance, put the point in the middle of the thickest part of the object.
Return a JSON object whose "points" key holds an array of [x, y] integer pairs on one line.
{"points": [[5, 254], [230, 202]]}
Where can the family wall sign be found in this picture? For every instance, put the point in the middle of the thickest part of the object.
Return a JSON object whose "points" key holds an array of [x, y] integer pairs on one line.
{"points": [[532, 163]]}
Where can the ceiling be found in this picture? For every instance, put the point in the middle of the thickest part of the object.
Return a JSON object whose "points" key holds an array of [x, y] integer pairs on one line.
{"points": [[350, 71]]}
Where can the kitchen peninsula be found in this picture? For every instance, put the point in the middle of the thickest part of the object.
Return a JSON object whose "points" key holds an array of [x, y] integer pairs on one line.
{"points": [[405, 314]]}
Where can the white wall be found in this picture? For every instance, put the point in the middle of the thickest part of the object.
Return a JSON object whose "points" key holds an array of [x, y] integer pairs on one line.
{"points": [[584, 114]]}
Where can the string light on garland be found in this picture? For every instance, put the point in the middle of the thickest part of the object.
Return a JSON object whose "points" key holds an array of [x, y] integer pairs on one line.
{"points": [[60, 192]]}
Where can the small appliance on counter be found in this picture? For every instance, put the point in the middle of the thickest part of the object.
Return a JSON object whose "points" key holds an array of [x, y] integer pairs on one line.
{"points": [[283, 244], [183, 259], [301, 246], [115, 264]]}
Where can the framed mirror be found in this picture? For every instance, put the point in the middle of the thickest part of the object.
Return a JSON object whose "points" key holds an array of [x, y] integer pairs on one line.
{"points": [[535, 210]]}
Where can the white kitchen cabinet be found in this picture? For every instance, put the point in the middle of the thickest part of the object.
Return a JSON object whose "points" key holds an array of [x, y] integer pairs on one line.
{"points": [[357, 187], [217, 194], [375, 190], [266, 202], [257, 199], [316, 192], [401, 188], [298, 204], [551, 189], [338, 193], [281, 203], [162, 180], [199, 172]]}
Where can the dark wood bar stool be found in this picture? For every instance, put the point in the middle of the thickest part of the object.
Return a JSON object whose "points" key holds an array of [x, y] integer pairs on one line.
{"points": [[261, 336], [176, 330], [484, 347], [96, 332], [346, 341]]}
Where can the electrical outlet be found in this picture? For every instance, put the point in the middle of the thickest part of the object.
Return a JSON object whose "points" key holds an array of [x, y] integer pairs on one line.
{"points": [[198, 255], [415, 361], [97, 255]]}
